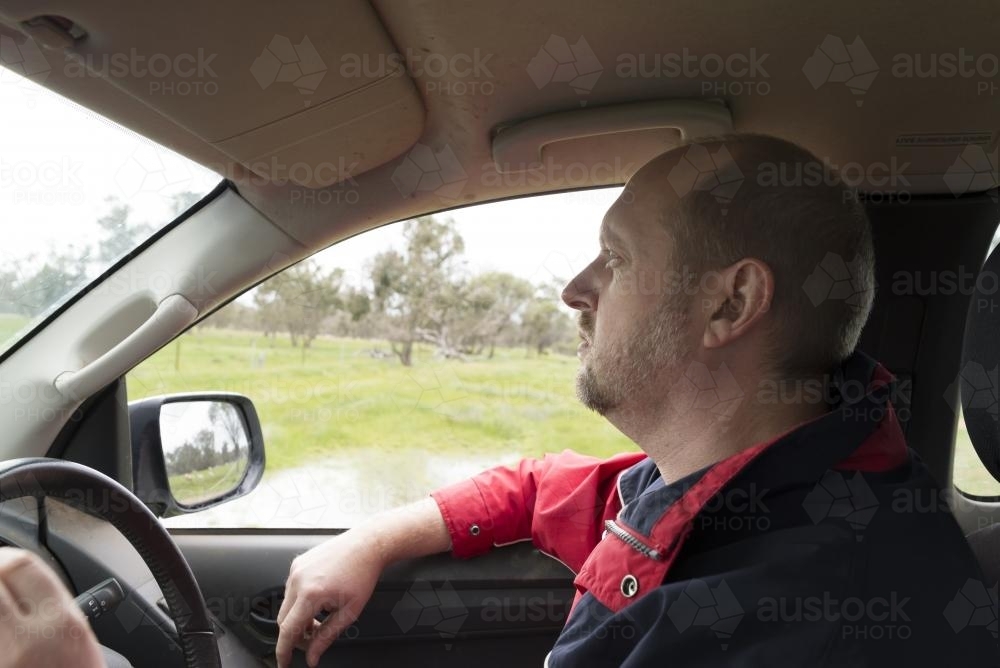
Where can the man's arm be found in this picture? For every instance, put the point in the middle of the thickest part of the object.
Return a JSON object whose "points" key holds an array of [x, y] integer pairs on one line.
{"points": [[339, 575], [559, 502]]}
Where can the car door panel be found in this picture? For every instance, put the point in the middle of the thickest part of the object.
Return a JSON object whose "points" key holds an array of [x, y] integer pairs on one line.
{"points": [[504, 608]]}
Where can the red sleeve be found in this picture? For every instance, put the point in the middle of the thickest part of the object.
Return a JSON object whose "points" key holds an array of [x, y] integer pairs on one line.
{"points": [[559, 502]]}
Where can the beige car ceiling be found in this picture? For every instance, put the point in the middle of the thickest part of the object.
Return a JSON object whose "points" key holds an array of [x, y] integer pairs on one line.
{"points": [[332, 117]]}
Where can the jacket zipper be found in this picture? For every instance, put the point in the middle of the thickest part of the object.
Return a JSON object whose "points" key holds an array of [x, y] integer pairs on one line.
{"points": [[612, 527]]}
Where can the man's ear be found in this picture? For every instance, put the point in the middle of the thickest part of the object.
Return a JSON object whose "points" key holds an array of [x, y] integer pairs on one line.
{"points": [[745, 291]]}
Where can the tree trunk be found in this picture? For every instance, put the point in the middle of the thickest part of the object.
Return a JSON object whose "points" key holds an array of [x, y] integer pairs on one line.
{"points": [[404, 352]]}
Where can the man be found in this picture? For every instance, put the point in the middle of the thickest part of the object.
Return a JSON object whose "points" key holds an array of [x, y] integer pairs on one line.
{"points": [[40, 625], [759, 526]]}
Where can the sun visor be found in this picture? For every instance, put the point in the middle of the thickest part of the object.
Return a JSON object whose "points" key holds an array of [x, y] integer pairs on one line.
{"points": [[315, 95]]}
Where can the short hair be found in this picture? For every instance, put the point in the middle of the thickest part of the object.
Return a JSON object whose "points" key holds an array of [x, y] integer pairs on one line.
{"points": [[794, 213]]}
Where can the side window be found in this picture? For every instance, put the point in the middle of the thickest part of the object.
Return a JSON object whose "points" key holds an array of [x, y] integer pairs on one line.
{"points": [[970, 475], [401, 360]]}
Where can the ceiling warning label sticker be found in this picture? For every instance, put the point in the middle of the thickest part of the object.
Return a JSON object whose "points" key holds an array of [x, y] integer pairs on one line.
{"points": [[983, 138]]}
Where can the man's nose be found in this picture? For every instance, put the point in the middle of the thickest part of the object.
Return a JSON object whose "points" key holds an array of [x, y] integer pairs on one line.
{"points": [[581, 292]]}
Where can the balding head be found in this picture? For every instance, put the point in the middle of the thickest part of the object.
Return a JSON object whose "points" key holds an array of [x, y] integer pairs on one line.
{"points": [[753, 196]]}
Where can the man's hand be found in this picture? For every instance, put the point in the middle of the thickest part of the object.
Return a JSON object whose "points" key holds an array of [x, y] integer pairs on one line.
{"points": [[339, 576], [40, 625]]}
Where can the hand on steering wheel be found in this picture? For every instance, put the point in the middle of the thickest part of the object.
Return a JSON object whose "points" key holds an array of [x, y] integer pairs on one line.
{"points": [[40, 624], [79, 486]]}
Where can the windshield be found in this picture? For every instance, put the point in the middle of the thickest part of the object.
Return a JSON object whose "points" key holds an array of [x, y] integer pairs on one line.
{"points": [[77, 192]]}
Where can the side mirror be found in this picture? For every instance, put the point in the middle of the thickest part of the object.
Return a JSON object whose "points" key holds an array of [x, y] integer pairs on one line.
{"points": [[194, 451]]}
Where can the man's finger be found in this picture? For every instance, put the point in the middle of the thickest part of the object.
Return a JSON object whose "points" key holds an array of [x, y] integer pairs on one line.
{"points": [[291, 629], [8, 608], [303, 642], [30, 583], [330, 629], [286, 603]]}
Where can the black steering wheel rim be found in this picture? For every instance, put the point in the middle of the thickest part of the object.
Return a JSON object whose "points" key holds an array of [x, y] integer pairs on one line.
{"points": [[80, 486]]}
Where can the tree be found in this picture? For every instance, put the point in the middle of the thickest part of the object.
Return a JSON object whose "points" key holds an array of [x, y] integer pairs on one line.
{"points": [[182, 201], [194, 456], [491, 302], [357, 302], [233, 315], [228, 417], [298, 300], [544, 324], [30, 285], [8, 291], [119, 234], [40, 287], [415, 292]]}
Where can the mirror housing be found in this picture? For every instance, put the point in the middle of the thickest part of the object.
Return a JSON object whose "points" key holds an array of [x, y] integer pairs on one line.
{"points": [[151, 472]]}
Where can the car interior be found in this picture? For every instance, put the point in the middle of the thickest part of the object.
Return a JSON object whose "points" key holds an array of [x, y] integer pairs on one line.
{"points": [[402, 108]]}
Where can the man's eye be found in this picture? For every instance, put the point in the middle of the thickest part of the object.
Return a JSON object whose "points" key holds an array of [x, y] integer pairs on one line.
{"points": [[613, 260]]}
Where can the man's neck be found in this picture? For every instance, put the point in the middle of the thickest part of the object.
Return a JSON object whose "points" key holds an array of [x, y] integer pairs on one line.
{"points": [[684, 440]]}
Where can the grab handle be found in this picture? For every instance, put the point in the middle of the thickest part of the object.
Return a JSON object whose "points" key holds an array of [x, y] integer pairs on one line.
{"points": [[172, 315]]}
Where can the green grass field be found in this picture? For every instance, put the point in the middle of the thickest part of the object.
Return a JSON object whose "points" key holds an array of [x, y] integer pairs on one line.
{"points": [[338, 401], [192, 488], [10, 324]]}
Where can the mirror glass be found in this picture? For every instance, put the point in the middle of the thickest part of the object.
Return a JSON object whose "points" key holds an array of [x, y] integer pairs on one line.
{"points": [[205, 447]]}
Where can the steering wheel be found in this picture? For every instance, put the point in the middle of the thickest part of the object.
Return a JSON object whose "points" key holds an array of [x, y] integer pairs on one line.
{"points": [[75, 485]]}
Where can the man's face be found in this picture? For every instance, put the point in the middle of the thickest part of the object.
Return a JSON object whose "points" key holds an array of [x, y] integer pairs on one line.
{"points": [[634, 318]]}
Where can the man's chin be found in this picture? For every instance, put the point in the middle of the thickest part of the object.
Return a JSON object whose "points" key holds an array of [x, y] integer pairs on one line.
{"points": [[589, 394]]}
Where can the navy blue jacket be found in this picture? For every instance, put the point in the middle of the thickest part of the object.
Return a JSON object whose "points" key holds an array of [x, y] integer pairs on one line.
{"points": [[807, 555]]}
